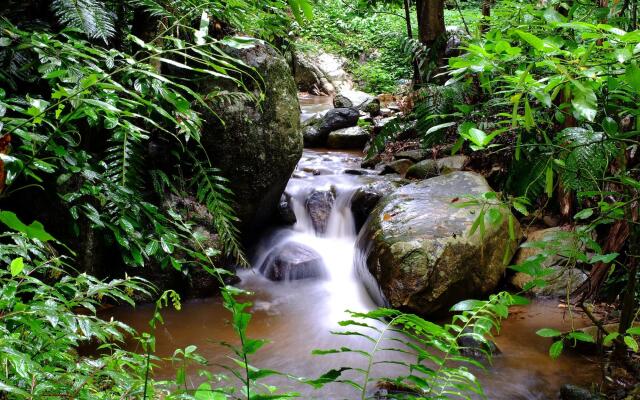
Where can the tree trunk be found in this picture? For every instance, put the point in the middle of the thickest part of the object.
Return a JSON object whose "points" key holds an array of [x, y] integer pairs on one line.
{"points": [[486, 14], [407, 16], [431, 28]]}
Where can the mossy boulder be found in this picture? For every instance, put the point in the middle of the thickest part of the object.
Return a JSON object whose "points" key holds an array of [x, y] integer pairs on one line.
{"points": [[258, 145], [420, 252]]}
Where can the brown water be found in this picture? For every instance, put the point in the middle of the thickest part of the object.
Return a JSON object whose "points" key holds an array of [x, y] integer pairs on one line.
{"points": [[298, 316], [312, 105]]}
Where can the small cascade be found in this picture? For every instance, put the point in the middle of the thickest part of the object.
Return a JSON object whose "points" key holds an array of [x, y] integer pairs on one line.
{"points": [[319, 248]]}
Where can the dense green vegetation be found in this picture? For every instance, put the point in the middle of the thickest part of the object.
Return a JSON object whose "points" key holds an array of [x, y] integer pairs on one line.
{"points": [[546, 94]]}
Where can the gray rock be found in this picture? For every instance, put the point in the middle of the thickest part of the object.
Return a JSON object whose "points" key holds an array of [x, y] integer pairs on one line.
{"points": [[348, 138], [319, 205], [320, 73], [413, 155], [379, 124], [370, 162], [338, 118], [429, 168], [472, 347], [257, 148], [573, 392], [285, 210], [352, 99], [399, 167], [419, 250], [425, 169], [366, 198], [561, 279], [312, 137], [293, 261]]}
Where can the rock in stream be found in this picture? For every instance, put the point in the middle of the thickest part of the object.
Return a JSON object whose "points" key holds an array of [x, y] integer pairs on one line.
{"points": [[420, 251]]}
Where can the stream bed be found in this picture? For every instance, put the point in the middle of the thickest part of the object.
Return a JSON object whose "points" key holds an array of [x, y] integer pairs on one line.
{"points": [[297, 316]]}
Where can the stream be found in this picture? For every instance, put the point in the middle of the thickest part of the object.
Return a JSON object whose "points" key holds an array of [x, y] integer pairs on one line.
{"points": [[297, 316]]}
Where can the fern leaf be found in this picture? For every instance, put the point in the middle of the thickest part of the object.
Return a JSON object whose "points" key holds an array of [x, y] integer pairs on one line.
{"points": [[586, 160], [211, 191], [89, 16]]}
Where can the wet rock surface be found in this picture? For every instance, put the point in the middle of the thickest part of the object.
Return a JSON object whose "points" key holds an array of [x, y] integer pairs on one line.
{"points": [[399, 167], [286, 213], [420, 251], [338, 118], [348, 138], [367, 197], [293, 261], [573, 392], [473, 347], [429, 168], [319, 205], [320, 73], [312, 136]]}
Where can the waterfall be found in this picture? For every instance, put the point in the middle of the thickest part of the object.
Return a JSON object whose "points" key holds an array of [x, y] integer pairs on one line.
{"points": [[325, 226]]}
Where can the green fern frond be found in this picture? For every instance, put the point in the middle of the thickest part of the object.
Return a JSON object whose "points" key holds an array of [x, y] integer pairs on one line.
{"points": [[154, 8], [211, 190], [527, 175], [433, 107], [89, 16], [124, 159], [586, 160]]}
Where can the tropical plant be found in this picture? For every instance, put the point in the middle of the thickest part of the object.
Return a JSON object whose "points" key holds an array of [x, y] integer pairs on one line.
{"points": [[436, 357]]}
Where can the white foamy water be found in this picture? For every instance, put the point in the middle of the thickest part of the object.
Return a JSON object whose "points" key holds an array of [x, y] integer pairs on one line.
{"points": [[336, 244]]}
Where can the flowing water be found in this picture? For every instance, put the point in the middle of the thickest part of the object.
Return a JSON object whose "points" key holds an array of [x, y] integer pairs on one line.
{"points": [[297, 316]]}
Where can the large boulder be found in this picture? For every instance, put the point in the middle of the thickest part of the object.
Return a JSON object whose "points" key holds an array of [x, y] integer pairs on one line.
{"points": [[366, 198], [338, 118], [348, 138], [293, 261], [419, 249], [320, 74], [319, 205], [258, 145]]}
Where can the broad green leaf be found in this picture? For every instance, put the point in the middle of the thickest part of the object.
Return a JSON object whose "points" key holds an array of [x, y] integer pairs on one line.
{"points": [[34, 231], [17, 265], [610, 338], [631, 343], [556, 349], [584, 214], [603, 258], [581, 336], [632, 76], [585, 103], [468, 305], [548, 332], [205, 392]]}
